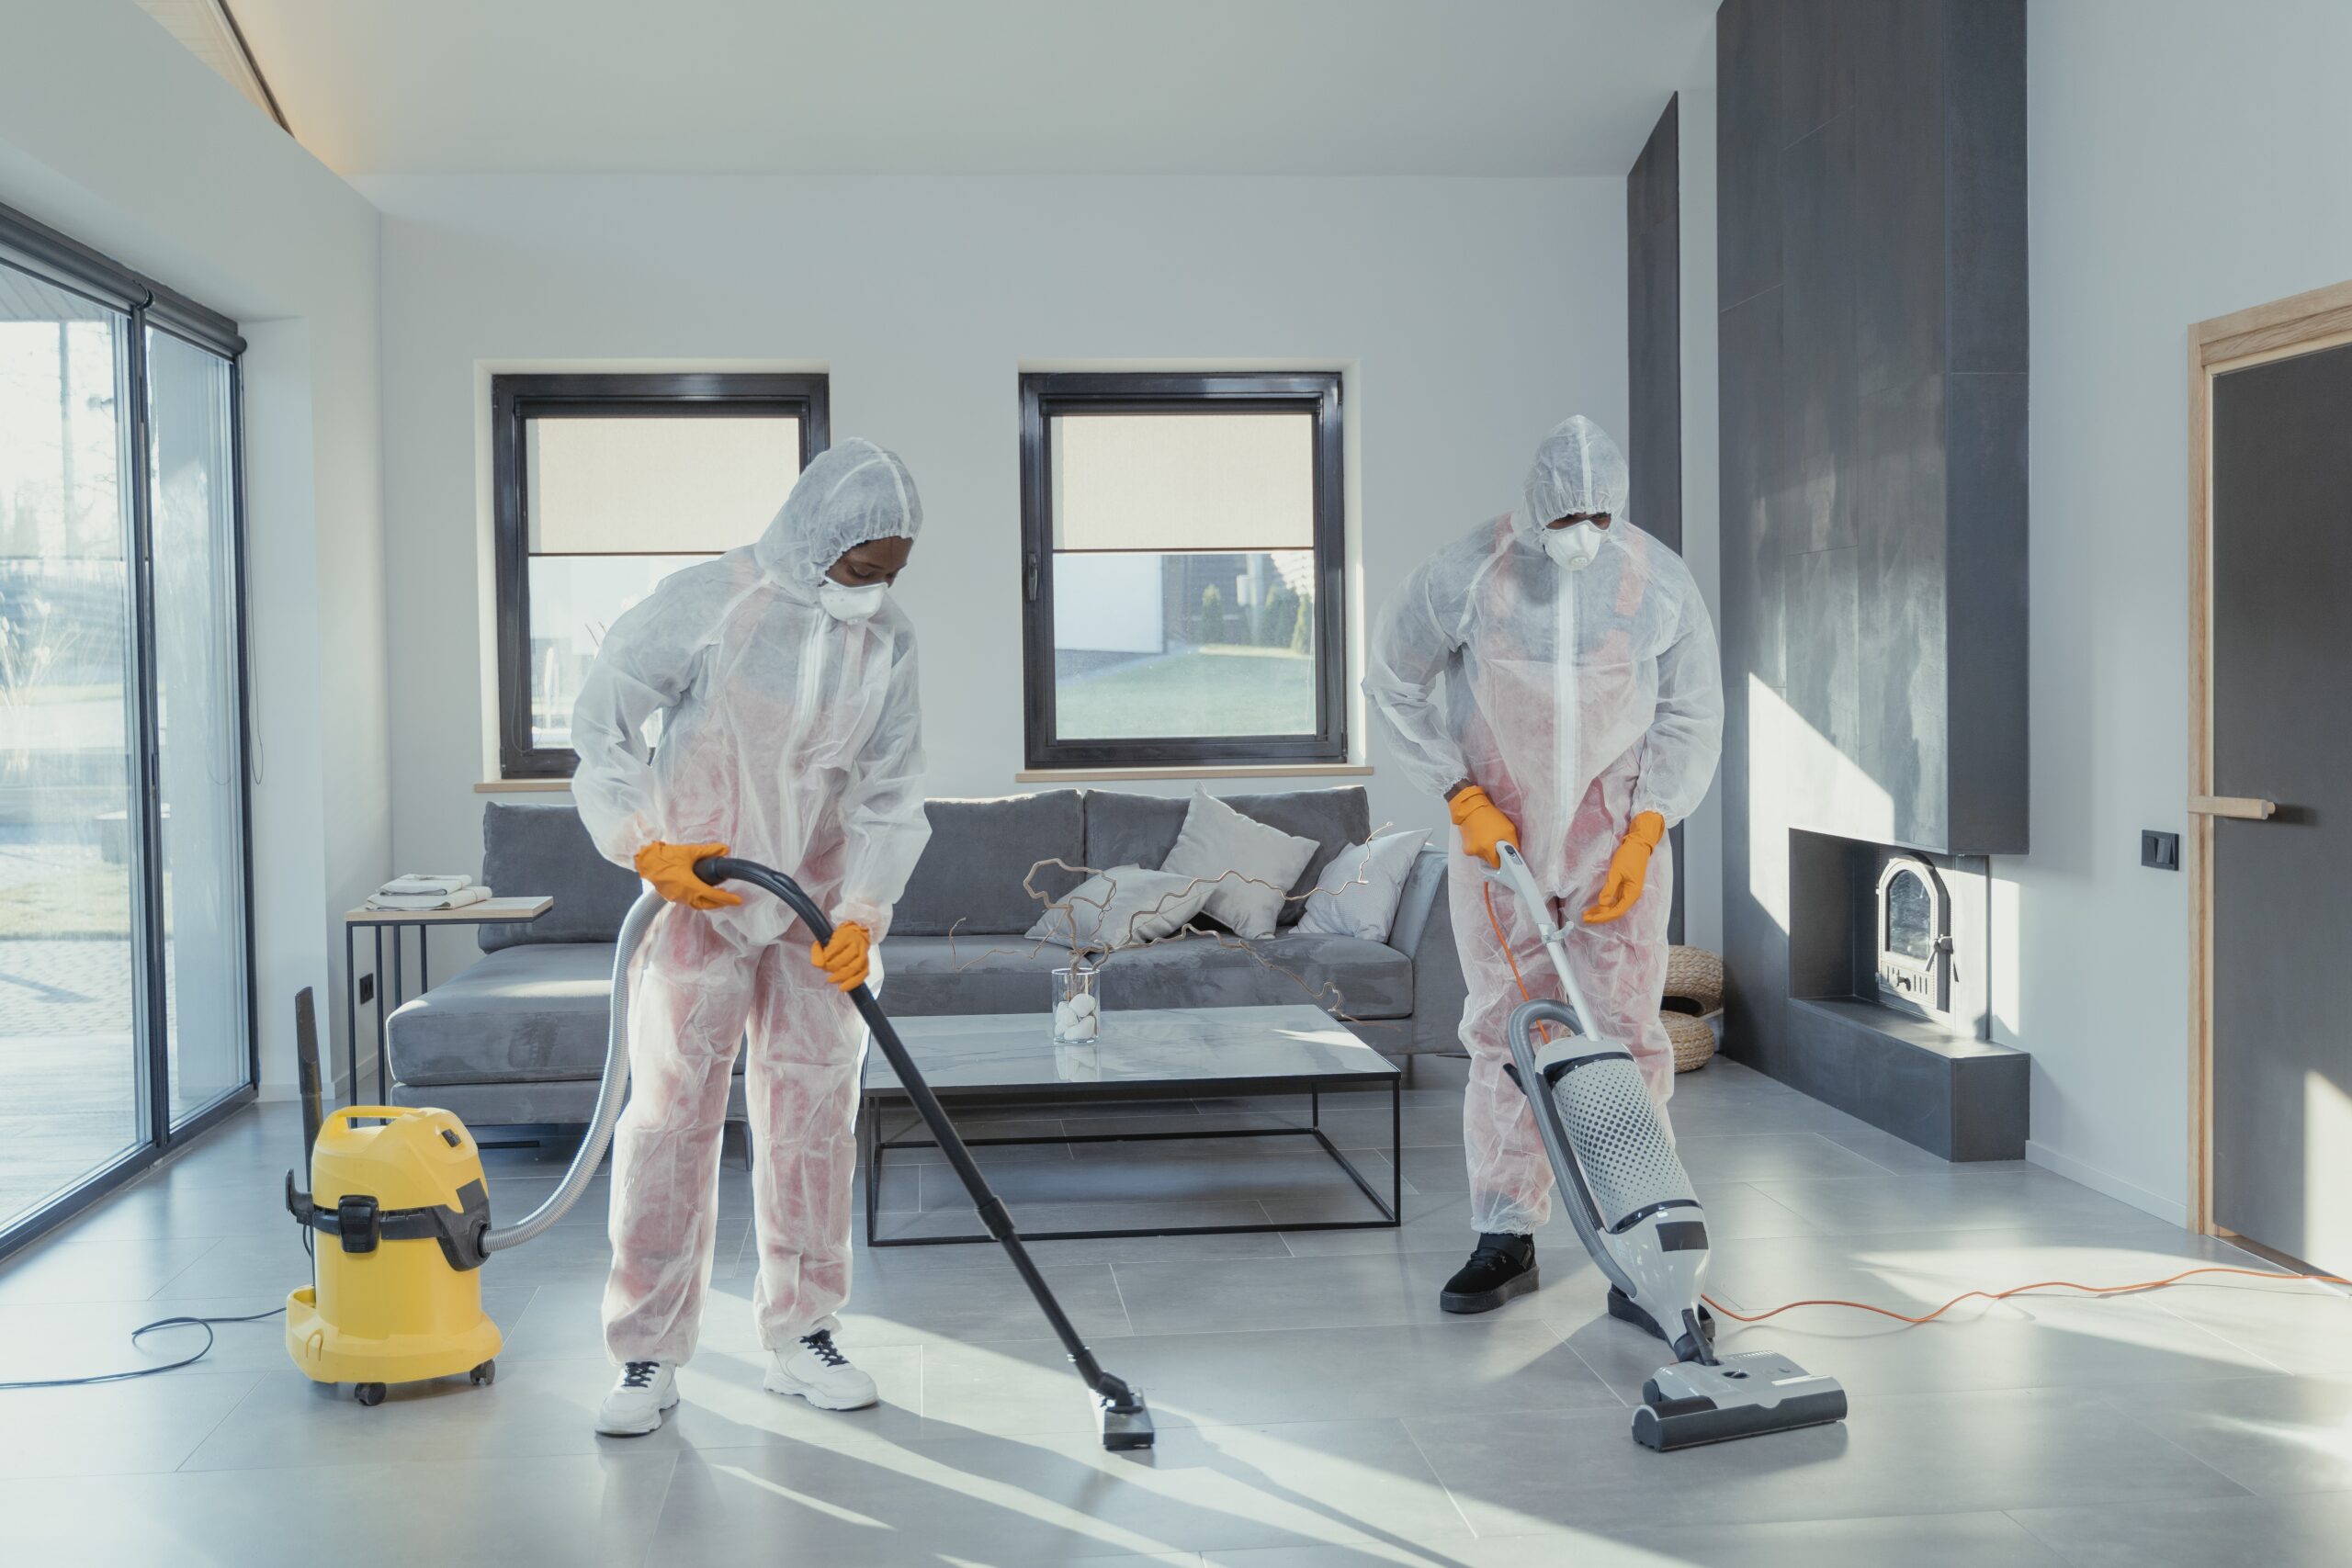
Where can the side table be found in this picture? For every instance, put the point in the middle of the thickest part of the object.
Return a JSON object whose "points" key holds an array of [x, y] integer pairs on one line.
{"points": [[489, 912]]}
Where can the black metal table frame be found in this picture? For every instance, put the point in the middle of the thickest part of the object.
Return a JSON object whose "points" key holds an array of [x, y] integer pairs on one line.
{"points": [[385, 1001], [874, 1144]]}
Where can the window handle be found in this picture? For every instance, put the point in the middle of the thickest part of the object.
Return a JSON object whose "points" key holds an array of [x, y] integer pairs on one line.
{"points": [[1034, 567]]}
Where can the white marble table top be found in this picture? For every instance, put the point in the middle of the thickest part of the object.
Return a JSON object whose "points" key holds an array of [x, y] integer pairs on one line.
{"points": [[1143, 1045]]}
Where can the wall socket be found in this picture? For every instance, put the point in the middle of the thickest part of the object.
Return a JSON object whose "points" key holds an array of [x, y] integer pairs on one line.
{"points": [[2159, 851], [366, 990]]}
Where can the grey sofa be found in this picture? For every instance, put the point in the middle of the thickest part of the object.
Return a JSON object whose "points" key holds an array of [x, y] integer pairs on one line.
{"points": [[519, 1037]]}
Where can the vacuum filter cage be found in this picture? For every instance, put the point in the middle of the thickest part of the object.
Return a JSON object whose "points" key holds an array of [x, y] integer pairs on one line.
{"points": [[1613, 1128]]}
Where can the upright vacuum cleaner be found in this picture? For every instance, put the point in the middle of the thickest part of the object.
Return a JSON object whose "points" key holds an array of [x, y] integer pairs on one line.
{"points": [[401, 1206], [1632, 1204]]}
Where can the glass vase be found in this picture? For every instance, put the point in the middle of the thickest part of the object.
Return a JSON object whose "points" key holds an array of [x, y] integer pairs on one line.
{"points": [[1078, 1004]]}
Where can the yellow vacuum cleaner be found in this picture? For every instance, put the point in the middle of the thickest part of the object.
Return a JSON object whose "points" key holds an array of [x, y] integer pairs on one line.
{"points": [[399, 1253], [400, 1209]]}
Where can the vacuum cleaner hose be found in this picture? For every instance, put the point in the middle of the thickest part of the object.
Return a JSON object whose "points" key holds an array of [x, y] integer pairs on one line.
{"points": [[609, 1095]]}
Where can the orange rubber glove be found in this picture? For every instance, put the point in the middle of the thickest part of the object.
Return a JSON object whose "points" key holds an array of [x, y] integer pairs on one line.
{"points": [[844, 958], [1628, 869], [671, 869], [1483, 824]]}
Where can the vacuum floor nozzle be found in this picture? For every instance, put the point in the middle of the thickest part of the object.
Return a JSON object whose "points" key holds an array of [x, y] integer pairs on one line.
{"points": [[1126, 1425], [1740, 1396]]}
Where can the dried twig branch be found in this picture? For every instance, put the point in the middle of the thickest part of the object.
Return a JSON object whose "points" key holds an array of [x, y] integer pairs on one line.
{"points": [[1096, 954]]}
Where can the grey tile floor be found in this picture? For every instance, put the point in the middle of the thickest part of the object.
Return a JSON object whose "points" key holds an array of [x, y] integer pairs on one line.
{"points": [[1315, 1407]]}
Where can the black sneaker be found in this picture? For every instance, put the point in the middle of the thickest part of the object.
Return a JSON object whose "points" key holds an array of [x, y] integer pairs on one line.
{"points": [[1624, 1308], [1503, 1267]]}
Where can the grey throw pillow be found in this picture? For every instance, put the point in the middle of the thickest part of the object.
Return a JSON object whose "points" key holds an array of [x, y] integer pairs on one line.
{"points": [[1358, 894], [1249, 867]]}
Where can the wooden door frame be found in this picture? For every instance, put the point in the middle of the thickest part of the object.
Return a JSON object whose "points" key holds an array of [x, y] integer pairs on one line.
{"points": [[2283, 329]]}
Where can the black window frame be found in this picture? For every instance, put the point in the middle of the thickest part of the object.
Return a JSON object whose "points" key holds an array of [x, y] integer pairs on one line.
{"points": [[1045, 394], [32, 247], [514, 400]]}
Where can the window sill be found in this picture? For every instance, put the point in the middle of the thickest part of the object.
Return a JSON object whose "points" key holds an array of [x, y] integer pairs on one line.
{"points": [[1233, 770], [524, 786]]}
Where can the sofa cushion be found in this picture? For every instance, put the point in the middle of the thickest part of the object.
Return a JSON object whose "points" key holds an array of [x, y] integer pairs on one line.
{"points": [[526, 1014], [979, 853], [533, 847], [1358, 894], [1247, 867], [1372, 980], [1140, 830]]}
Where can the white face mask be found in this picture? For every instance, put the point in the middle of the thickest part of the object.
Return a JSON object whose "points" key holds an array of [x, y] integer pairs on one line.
{"points": [[1573, 548], [851, 604]]}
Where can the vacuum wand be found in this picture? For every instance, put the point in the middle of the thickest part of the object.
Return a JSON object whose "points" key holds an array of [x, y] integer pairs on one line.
{"points": [[1120, 1412], [1522, 881]]}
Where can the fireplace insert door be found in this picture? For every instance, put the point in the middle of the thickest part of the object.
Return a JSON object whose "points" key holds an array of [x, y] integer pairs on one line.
{"points": [[2281, 627]]}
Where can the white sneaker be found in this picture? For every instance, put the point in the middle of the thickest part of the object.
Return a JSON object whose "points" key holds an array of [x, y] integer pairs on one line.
{"points": [[816, 1370], [637, 1402]]}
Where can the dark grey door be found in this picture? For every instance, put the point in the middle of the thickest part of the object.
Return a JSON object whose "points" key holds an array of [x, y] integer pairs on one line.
{"points": [[2282, 731]]}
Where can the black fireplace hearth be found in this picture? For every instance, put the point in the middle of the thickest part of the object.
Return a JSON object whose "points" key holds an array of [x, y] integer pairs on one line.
{"points": [[1889, 1006]]}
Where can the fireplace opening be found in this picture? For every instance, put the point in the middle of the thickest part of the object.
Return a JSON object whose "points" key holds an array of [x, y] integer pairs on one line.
{"points": [[1913, 935]]}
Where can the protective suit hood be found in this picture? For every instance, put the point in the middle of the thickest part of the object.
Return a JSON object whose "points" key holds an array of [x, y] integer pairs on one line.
{"points": [[851, 494], [1578, 468]]}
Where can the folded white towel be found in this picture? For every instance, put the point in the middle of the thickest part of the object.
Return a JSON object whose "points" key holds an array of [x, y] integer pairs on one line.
{"points": [[413, 901], [417, 883]]}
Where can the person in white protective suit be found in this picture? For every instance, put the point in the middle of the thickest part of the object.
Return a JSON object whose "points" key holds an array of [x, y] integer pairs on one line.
{"points": [[1553, 673], [790, 735]]}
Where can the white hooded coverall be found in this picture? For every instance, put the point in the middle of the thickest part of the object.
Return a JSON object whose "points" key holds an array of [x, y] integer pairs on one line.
{"points": [[795, 739], [1577, 700]]}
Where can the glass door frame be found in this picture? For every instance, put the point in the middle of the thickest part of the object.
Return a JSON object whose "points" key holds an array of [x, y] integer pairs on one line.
{"points": [[63, 263]]}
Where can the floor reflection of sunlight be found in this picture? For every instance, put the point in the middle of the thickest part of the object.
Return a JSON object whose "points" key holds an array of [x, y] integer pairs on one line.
{"points": [[1247, 1471], [806, 1499], [2334, 1443]]}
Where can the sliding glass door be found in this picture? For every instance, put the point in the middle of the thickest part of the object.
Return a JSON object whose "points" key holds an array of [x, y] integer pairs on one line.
{"points": [[125, 986], [72, 1085], [199, 739]]}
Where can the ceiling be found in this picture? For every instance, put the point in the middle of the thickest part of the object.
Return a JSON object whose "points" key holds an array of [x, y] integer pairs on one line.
{"points": [[204, 31], [976, 87]]}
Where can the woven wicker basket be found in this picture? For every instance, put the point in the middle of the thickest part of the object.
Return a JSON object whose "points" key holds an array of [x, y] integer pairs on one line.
{"points": [[1693, 1038], [1694, 974]]}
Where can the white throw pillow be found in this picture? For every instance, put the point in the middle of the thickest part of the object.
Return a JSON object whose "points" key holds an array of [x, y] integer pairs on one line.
{"points": [[1123, 907], [1358, 893], [1248, 866]]}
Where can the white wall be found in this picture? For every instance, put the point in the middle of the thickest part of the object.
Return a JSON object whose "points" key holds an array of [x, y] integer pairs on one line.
{"points": [[1702, 836], [112, 133], [2187, 159], [1471, 316]]}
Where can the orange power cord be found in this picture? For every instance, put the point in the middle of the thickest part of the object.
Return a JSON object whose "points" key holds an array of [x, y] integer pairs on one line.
{"points": [[1521, 981]]}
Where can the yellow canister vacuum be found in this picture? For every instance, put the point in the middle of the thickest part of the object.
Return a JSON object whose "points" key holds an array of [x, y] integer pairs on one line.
{"points": [[400, 1208]]}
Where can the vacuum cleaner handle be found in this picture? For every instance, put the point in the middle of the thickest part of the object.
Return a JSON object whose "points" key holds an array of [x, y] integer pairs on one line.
{"points": [[1118, 1400], [306, 1072], [1514, 874], [716, 869]]}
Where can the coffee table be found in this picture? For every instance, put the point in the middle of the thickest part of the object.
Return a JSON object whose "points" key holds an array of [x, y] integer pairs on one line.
{"points": [[1143, 1054]]}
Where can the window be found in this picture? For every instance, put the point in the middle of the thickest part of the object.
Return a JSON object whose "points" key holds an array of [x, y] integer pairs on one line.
{"points": [[126, 990], [1183, 543], [606, 485]]}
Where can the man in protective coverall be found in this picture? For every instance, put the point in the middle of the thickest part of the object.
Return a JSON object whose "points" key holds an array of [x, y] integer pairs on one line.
{"points": [[1552, 674]]}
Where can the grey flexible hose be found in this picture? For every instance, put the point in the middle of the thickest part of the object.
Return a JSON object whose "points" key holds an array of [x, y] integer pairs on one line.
{"points": [[609, 1095]]}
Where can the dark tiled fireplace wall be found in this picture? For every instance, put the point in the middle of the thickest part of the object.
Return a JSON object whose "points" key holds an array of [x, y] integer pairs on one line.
{"points": [[1872, 343]]}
